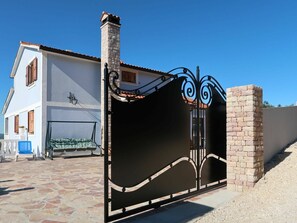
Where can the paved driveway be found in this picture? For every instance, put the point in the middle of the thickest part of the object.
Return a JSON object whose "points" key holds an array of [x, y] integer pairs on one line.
{"points": [[71, 190], [62, 190]]}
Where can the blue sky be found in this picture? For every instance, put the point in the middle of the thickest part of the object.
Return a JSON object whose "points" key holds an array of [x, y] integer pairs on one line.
{"points": [[239, 42]]}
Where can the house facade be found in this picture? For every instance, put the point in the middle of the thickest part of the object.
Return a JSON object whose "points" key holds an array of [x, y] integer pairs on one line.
{"points": [[51, 84]]}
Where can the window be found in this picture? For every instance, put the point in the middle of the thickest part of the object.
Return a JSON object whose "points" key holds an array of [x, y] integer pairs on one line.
{"points": [[129, 77], [6, 126], [16, 124], [31, 122], [31, 72]]}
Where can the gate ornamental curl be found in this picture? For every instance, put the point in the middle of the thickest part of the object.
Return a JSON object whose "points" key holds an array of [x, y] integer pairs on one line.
{"points": [[168, 141]]}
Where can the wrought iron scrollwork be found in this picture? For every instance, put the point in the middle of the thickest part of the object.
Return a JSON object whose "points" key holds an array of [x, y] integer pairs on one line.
{"points": [[207, 85], [190, 84], [188, 91], [192, 88], [130, 95]]}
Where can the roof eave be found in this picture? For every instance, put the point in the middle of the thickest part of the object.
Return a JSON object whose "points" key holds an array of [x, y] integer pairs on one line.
{"points": [[69, 53], [73, 54], [144, 69], [7, 101], [18, 56]]}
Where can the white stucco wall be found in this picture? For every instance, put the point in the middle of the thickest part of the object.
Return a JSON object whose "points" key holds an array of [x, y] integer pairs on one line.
{"points": [[57, 76], [142, 78], [26, 98], [70, 74], [82, 78]]}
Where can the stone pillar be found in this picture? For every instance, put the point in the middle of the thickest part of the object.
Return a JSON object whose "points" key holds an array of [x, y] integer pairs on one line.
{"points": [[110, 54], [245, 151]]}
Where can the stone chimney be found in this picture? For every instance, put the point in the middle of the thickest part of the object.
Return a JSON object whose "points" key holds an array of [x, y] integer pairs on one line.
{"points": [[110, 54]]}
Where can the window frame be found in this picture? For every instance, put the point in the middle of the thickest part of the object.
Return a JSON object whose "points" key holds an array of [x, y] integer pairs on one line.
{"points": [[31, 131], [131, 72], [6, 125], [16, 124], [32, 72]]}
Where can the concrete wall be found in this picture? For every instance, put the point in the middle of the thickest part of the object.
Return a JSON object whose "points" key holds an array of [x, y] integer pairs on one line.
{"points": [[280, 129]]}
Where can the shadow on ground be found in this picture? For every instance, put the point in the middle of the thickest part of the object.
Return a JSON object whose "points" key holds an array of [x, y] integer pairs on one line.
{"points": [[277, 159], [5, 190], [5, 181], [73, 156], [180, 212]]}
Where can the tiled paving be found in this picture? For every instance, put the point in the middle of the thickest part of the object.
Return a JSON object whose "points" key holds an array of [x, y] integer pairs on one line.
{"points": [[71, 190]]}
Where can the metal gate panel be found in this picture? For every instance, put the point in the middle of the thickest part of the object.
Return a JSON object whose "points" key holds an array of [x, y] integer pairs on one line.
{"points": [[213, 151], [180, 177], [150, 134], [168, 141]]}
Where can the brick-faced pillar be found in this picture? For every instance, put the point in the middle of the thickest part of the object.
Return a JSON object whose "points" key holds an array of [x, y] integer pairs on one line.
{"points": [[110, 54], [245, 152]]}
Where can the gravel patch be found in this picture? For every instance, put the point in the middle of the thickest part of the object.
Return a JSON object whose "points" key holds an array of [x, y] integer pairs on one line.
{"points": [[273, 199]]}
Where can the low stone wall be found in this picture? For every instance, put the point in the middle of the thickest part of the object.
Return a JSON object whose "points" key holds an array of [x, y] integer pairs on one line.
{"points": [[280, 129]]}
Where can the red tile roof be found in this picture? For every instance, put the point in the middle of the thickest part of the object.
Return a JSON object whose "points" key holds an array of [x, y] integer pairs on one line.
{"points": [[88, 57], [64, 52], [143, 68]]}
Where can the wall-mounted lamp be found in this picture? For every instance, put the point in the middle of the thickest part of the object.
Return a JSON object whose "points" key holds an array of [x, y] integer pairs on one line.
{"points": [[72, 98]]}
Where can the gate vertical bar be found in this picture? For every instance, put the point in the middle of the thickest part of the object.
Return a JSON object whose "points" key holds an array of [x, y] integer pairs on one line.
{"points": [[106, 195], [198, 134]]}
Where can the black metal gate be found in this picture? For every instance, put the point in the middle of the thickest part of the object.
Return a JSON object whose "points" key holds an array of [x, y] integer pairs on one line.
{"points": [[167, 142]]}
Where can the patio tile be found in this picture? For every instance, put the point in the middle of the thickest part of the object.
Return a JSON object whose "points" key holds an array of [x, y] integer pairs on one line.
{"points": [[62, 190]]}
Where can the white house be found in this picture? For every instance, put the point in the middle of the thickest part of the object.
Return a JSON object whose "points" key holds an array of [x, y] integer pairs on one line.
{"points": [[58, 85]]}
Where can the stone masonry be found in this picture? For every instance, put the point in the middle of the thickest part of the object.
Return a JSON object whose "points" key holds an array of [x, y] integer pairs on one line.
{"points": [[245, 152], [110, 54]]}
